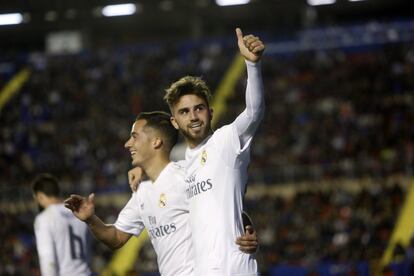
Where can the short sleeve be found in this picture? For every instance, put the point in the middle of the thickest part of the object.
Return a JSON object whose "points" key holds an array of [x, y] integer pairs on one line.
{"points": [[129, 219]]}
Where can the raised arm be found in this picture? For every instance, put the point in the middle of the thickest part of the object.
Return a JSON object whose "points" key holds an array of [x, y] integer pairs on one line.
{"points": [[251, 48], [84, 209]]}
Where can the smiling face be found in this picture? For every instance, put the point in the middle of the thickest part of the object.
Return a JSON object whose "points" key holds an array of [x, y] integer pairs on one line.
{"points": [[140, 143], [192, 117]]}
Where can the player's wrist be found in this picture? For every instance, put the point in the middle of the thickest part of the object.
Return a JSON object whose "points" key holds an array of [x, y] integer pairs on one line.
{"points": [[252, 63], [90, 221]]}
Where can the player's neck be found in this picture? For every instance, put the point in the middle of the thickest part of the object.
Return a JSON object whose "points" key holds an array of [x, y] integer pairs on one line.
{"points": [[193, 143], [51, 201], [155, 167]]}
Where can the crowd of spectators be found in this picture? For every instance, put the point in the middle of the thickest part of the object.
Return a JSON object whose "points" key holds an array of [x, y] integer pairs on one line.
{"points": [[327, 226], [342, 113], [335, 113]]}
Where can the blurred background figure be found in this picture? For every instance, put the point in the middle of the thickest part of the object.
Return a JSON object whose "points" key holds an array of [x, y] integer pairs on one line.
{"points": [[61, 239]]}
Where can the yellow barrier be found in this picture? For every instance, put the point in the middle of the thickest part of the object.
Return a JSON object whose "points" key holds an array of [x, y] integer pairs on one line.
{"points": [[13, 86], [123, 260], [404, 229]]}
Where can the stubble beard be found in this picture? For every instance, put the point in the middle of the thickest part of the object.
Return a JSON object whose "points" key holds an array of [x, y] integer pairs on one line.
{"points": [[196, 139]]}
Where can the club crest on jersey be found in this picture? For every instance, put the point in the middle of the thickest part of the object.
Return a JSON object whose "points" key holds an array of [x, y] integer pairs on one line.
{"points": [[163, 200], [142, 206], [203, 157]]}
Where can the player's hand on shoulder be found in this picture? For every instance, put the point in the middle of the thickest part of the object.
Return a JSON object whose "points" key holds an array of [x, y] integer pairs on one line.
{"points": [[83, 208], [249, 242], [135, 177], [250, 46]]}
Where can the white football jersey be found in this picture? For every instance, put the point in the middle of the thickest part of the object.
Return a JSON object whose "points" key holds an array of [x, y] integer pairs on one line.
{"points": [[62, 242], [216, 178], [162, 208]]}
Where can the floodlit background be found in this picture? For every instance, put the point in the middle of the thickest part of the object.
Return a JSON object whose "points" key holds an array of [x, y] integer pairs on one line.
{"points": [[330, 188]]}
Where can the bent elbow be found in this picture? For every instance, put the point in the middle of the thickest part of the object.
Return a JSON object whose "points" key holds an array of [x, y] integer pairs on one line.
{"points": [[114, 246]]}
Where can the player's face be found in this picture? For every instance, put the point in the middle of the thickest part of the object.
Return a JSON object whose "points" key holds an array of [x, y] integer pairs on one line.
{"points": [[139, 143], [192, 117]]}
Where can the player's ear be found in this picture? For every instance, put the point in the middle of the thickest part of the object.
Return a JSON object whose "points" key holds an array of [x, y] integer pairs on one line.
{"points": [[40, 195], [40, 198], [174, 123], [157, 143], [211, 113]]}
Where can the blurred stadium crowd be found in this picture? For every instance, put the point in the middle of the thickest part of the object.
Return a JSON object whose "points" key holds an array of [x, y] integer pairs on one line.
{"points": [[344, 113]]}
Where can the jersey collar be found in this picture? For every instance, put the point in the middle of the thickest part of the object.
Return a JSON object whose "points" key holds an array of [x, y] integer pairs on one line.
{"points": [[190, 153]]}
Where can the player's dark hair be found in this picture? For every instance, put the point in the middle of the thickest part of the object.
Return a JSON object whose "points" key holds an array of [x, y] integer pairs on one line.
{"points": [[47, 184], [160, 121], [187, 85]]}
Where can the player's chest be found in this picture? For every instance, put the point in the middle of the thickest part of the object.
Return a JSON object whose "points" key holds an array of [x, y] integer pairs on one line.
{"points": [[205, 162], [202, 172], [163, 204], [164, 212]]}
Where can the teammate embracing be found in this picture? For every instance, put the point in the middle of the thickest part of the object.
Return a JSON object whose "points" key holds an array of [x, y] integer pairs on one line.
{"points": [[159, 204]]}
